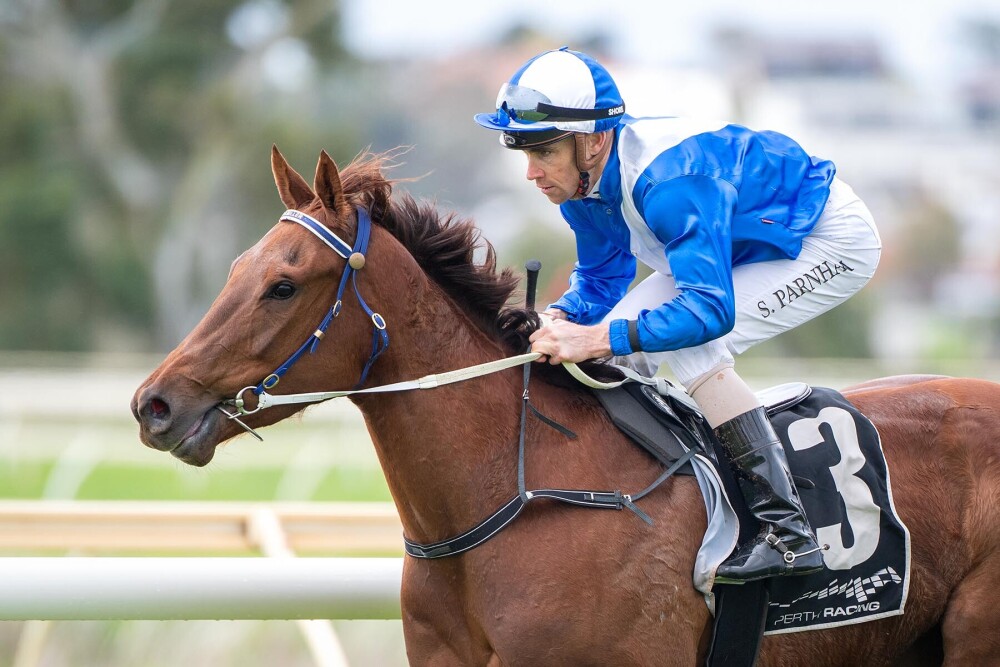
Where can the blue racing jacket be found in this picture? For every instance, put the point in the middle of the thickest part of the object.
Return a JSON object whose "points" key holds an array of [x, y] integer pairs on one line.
{"points": [[692, 200]]}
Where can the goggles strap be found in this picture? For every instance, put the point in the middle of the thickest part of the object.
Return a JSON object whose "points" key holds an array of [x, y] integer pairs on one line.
{"points": [[572, 114]]}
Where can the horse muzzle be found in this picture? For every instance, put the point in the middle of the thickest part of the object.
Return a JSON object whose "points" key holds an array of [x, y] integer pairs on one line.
{"points": [[188, 429]]}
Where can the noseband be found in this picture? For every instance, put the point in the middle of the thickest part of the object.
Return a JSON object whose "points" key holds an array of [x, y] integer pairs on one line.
{"points": [[355, 257]]}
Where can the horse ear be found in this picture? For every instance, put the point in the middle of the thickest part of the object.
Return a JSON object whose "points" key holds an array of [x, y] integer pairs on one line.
{"points": [[328, 187], [292, 188]]}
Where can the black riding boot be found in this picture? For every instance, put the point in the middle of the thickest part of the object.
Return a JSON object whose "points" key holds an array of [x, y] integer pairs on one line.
{"points": [[786, 545]]}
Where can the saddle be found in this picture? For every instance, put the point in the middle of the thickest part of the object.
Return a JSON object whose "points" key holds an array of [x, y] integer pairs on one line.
{"points": [[666, 423], [836, 461]]}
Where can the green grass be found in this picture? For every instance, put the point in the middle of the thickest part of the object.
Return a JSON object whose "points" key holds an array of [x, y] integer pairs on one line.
{"points": [[119, 481], [102, 459]]}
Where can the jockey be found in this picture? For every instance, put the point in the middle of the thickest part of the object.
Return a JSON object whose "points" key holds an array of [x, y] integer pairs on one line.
{"points": [[747, 235]]}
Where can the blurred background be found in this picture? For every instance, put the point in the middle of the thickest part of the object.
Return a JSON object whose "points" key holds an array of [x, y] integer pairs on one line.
{"points": [[134, 144]]}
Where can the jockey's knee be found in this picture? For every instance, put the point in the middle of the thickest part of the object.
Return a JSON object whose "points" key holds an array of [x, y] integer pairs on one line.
{"points": [[722, 394]]}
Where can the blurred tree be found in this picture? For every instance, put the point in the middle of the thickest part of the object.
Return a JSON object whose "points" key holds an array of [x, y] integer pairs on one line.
{"points": [[136, 138]]}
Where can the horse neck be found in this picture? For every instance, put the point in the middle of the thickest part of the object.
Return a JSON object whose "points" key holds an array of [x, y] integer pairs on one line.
{"points": [[448, 454]]}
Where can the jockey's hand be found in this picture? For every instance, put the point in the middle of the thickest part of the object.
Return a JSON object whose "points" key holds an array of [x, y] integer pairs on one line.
{"points": [[561, 340]]}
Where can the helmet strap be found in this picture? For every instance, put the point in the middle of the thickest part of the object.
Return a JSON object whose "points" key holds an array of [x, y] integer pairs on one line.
{"points": [[586, 166]]}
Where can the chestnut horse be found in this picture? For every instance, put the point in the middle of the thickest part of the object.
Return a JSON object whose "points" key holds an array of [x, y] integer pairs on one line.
{"points": [[562, 585]]}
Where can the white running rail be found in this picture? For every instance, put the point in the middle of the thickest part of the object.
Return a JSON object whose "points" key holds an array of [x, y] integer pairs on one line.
{"points": [[75, 588]]}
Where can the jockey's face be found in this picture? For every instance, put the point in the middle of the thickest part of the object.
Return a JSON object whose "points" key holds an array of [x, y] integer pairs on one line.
{"points": [[553, 169]]}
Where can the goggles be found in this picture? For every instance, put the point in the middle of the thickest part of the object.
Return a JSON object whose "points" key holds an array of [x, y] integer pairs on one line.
{"points": [[526, 105]]}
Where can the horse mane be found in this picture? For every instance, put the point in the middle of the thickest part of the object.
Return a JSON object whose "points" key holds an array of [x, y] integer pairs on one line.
{"points": [[445, 246]]}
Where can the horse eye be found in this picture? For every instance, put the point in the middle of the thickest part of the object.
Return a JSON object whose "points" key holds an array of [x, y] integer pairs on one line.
{"points": [[282, 290]]}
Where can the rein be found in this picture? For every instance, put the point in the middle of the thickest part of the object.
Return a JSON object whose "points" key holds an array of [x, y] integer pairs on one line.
{"points": [[489, 527], [266, 400]]}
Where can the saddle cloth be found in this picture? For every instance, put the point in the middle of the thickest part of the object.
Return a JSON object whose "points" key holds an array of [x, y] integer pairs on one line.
{"points": [[835, 456]]}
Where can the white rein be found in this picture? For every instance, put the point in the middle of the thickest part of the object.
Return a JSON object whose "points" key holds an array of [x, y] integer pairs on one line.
{"points": [[266, 400]]}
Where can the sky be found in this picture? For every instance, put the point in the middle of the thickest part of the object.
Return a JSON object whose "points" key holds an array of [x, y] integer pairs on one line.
{"points": [[919, 37]]}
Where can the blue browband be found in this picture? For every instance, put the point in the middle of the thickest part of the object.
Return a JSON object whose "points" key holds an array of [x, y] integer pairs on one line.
{"points": [[355, 260]]}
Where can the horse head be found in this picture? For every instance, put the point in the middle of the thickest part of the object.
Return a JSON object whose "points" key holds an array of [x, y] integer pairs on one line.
{"points": [[276, 293]]}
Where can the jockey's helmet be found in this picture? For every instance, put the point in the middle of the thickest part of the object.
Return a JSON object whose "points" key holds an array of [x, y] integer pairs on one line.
{"points": [[552, 94]]}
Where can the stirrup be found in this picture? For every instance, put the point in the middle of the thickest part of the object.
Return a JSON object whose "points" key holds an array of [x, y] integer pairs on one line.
{"points": [[787, 554]]}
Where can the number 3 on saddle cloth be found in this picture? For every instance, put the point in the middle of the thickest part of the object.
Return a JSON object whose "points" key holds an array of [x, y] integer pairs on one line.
{"points": [[836, 459]]}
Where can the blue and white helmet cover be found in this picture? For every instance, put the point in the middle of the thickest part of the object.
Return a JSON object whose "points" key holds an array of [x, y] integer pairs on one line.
{"points": [[562, 78]]}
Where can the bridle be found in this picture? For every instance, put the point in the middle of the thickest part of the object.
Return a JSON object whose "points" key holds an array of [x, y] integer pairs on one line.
{"points": [[355, 257]]}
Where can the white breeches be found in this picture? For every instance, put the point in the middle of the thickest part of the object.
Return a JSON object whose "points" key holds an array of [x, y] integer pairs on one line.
{"points": [[838, 257]]}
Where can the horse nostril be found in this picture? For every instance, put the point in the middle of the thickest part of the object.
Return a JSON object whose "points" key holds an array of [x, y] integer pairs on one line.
{"points": [[158, 409]]}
